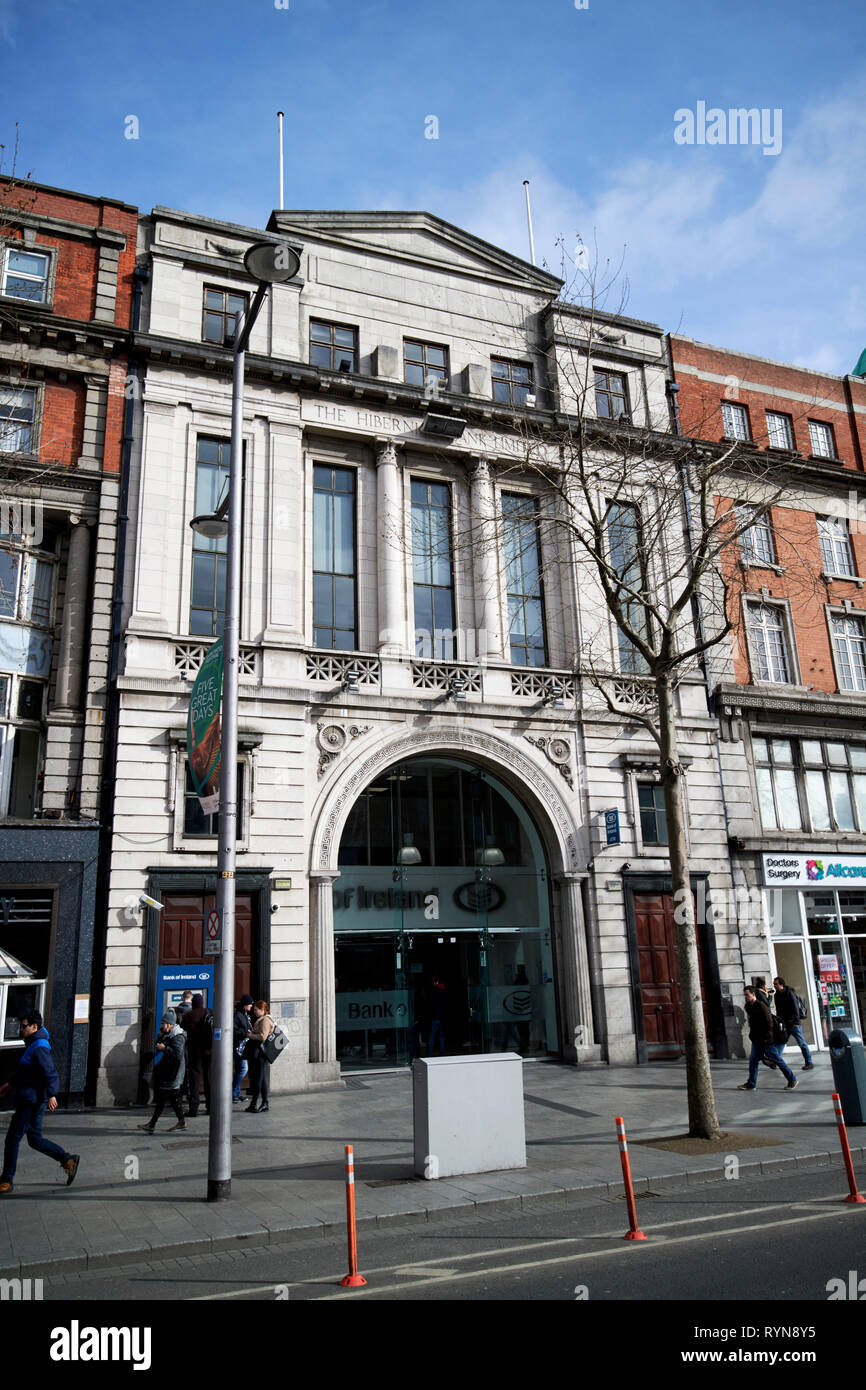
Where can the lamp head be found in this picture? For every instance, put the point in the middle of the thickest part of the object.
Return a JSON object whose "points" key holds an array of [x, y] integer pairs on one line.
{"points": [[272, 263]]}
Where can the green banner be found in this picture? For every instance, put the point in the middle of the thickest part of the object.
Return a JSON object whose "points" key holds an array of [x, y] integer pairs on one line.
{"points": [[203, 734]]}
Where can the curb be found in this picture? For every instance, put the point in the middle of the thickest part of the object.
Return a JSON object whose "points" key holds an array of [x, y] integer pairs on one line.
{"points": [[262, 1236]]}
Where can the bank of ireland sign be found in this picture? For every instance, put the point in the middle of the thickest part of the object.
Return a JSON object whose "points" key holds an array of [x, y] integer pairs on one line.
{"points": [[812, 870], [203, 735]]}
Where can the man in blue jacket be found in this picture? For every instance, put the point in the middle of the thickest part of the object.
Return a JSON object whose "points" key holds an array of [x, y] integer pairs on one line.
{"points": [[35, 1084]]}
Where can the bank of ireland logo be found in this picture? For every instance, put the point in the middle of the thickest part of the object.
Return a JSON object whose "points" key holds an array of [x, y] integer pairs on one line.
{"points": [[518, 1002], [815, 868]]}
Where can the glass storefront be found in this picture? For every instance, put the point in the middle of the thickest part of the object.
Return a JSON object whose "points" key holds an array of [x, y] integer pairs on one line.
{"points": [[819, 943], [441, 921]]}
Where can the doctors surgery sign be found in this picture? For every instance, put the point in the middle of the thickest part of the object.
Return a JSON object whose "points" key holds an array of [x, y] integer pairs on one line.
{"points": [[807, 870]]}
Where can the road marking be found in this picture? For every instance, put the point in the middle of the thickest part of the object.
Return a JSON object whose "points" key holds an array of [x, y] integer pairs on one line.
{"points": [[439, 1274]]}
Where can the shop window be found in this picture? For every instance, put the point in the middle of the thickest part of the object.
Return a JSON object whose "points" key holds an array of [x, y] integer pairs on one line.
{"points": [[653, 817], [26, 916], [523, 581], [433, 590], [810, 784], [334, 600]]}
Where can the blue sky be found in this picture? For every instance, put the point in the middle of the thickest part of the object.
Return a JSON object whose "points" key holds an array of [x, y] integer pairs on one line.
{"points": [[720, 242]]}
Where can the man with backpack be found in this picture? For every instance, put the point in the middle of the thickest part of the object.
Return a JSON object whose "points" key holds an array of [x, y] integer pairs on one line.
{"points": [[198, 1026], [791, 1009], [762, 1038]]}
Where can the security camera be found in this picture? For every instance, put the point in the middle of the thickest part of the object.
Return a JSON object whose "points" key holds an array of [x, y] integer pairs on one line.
{"points": [[145, 901]]}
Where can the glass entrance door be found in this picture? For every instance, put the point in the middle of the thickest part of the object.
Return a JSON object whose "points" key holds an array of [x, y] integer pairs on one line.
{"points": [[374, 1006], [448, 984]]}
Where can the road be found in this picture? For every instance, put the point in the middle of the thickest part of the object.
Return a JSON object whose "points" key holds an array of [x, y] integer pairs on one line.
{"points": [[781, 1238]]}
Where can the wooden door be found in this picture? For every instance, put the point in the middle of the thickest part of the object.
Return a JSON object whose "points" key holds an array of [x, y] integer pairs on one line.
{"points": [[659, 971], [181, 932]]}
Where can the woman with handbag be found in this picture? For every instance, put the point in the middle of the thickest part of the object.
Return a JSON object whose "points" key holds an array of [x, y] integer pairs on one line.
{"points": [[263, 1026]]}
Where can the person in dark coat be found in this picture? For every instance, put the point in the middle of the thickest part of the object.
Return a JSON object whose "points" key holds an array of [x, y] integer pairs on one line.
{"points": [[35, 1084], [761, 1038], [260, 1067], [241, 1029], [168, 1076], [184, 1006], [198, 1026], [789, 1012]]}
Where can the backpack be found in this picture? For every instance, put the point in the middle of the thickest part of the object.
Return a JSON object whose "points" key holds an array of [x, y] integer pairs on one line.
{"points": [[780, 1032], [801, 1006], [275, 1042]]}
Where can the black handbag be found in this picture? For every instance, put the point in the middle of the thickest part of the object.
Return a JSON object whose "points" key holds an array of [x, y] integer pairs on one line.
{"points": [[275, 1043]]}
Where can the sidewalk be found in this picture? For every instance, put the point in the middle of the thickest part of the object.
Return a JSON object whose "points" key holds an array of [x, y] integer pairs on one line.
{"points": [[288, 1164]]}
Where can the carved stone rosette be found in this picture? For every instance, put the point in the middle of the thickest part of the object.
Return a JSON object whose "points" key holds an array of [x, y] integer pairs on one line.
{"points": [[333, 740], [557, 751]]}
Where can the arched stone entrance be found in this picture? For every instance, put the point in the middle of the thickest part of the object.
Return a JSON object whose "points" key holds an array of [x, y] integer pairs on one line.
{"points": [[547, 928]]}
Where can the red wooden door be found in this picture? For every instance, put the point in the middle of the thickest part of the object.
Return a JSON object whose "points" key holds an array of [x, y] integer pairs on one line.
{"points": [[659, 970], [181, 932]]}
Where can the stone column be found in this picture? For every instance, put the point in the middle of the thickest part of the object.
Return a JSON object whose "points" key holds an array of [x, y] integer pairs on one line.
{"points": [[390, 550], [323, 1009], [580, 1044], [485, 562], [70, 663]]}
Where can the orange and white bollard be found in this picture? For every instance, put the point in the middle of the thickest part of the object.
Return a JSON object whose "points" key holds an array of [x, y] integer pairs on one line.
{"points": [[853, 1194], [633, 1232], [353, 1279]]}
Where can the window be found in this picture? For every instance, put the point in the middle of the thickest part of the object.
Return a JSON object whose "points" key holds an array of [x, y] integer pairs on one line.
{"points": [[197, 825], [777, 784], [423, 361], [17, 419], [512, 381], [21, 704], [208, 599], [810, 784], [221, 309], [624, 542], [836, 556], [765, 626], [780, 430], [611, 397], [849, 649], [26, 586], [334, 558], [757, 546], [431, 568], [523, 581], [653, 818], [735, 419], [25, 274], [334, 346], [821, 440]]}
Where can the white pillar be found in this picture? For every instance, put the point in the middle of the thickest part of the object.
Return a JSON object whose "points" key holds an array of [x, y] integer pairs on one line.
{"points": [[391, 543], [485, 563], [580, 1044], [323, 1008]]}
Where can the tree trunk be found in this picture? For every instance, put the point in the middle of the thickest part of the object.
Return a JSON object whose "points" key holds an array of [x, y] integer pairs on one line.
{"points": [[703, 1121]]}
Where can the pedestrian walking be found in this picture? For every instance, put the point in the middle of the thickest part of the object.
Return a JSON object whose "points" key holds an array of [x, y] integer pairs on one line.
{"points": [[761, 1038], [35, 1084], [260, 1067], [198, 1026], [168, 1076], [788, 1010], [242, 1026]]}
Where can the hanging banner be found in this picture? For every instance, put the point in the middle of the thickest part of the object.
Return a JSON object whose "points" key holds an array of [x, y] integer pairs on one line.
{"points": [[203, 729]]}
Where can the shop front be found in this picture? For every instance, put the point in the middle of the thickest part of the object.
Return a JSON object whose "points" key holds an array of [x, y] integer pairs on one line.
{"points": [[816, 911], [441, 911]]}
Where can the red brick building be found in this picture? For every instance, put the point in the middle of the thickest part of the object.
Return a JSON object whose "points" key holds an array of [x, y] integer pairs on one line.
{"points": [[794, 691], [67, 264]]}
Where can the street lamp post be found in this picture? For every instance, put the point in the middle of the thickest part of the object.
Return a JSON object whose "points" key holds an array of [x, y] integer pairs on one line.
{"points": [[269, 263]]}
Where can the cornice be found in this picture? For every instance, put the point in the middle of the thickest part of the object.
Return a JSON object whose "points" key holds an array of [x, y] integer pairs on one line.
{"points": [[759, 698]]}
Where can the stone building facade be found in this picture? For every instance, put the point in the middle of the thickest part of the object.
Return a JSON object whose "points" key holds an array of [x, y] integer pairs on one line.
{"points": [[66, 286], [425, 772]]}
